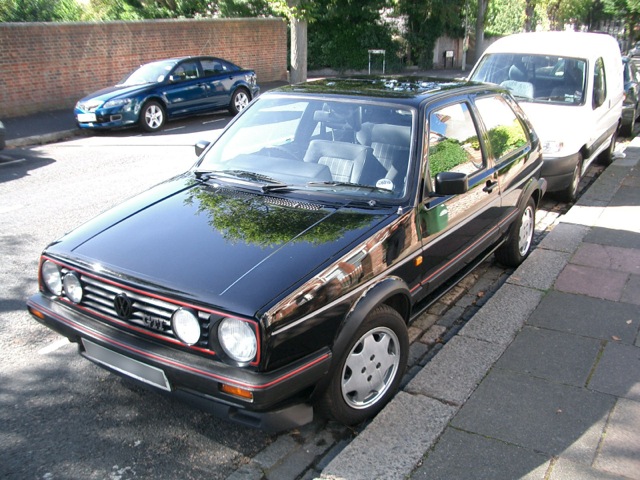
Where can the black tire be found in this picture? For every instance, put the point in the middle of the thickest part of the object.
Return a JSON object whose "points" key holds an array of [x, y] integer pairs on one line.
{"points": [[607, 157], [518, 244], [152, 116], [570, 193], [379, 349], [626, 130], [239, 100]]}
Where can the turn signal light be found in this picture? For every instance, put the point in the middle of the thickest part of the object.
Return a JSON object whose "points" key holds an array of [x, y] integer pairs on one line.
{"points": [[237, 392]]}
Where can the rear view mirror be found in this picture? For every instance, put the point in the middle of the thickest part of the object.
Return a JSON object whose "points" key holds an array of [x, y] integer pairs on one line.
{"points": [[201, 146], [451, 183]]}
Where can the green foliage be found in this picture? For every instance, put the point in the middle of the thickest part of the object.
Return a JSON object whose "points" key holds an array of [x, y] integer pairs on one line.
{"points": [[343, 32], [505, 139], [426, 22], [505, 17], [445, 155], [40, 11]]}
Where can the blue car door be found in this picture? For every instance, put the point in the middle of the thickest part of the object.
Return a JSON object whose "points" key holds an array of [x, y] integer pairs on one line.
{"points": [[186, 91], [219, 77]]}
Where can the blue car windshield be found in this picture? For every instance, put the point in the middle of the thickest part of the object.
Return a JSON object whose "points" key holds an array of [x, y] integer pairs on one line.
{"points": [[150, 73]]}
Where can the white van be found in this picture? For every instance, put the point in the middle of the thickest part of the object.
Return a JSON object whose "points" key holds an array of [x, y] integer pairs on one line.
{"points": [[570, 86]]}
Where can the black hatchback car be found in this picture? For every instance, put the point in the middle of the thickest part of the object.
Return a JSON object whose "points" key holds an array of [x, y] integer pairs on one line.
{"points": [[282, 271]]}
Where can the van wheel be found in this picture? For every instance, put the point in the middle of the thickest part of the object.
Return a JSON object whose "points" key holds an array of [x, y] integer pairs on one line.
{"points": [[370, 370], [518, 245], [570, 193], [607, 157]]}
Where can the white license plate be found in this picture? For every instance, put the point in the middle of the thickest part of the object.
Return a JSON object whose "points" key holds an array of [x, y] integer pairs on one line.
{"points": [[130, 367], [86, 117]]}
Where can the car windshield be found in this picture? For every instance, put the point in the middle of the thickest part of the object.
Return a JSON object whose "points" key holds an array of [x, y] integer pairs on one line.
{"points": [[340, 147], [149, 73], [538, 78]]}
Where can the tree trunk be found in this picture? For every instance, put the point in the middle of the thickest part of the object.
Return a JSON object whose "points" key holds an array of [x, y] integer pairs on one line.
{"points": [[482, 8], [298, 72]]}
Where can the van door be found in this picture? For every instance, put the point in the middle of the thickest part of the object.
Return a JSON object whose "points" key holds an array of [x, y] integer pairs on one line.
{"points": [[603, 104]]}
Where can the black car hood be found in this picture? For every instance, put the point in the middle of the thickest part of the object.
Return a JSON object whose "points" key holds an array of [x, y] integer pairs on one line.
{"points": [[227, 248]]}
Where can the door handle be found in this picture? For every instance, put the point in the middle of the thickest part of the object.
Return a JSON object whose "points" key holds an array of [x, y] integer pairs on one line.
{"points": [[489, 186]]}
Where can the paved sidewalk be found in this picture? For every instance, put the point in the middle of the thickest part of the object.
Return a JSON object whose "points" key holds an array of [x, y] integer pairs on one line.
{"points": [[544, 381]]}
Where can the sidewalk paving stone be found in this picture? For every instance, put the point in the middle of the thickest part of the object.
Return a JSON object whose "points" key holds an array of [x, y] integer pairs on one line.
{"points": [[587, 316], [552, 355], [594, 282], [466, 456], [618, 371], [547, 417], [619, 451], [566, 470], [542, 269]]}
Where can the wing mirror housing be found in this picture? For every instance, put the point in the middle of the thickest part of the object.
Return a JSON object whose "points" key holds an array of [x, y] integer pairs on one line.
{"points": [[201, 146], [451, 183]]}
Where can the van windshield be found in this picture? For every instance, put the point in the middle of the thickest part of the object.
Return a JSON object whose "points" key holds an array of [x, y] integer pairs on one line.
{"points": [[539, 78]]}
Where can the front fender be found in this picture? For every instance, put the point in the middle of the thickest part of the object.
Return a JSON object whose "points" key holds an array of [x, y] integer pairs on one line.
{"points": [[392, 291]]}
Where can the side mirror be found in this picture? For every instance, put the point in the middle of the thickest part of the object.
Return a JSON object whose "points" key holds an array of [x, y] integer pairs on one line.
{"points": [[451, 183], [201, 146]]}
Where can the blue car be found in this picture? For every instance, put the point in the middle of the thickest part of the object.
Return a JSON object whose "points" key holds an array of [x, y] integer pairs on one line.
{"points": [[166, 89]]}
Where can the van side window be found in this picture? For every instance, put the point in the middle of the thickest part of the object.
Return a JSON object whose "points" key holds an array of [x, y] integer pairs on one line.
{"points": [[599, 84], [504, 131]]}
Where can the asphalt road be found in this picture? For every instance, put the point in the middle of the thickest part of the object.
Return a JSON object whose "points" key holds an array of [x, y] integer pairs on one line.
{"points": [[61, 417]]}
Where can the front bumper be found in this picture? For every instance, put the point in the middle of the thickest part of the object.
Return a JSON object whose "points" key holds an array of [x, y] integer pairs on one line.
{"points": [[558, 171], [198, 380], [106, 119]]}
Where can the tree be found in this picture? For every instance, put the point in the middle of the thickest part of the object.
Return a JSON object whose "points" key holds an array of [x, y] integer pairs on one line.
{"points": [[40, 11]]}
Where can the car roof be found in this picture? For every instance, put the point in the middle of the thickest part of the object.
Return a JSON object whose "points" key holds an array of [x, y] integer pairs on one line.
{"points": [[563, 44], [411, 89]]}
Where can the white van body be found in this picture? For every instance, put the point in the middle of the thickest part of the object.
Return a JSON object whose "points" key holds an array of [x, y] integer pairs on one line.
{"points": [[570, 85]]}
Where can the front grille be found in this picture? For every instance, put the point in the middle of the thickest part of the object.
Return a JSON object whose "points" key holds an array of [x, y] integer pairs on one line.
{"points": [[146, 314]]}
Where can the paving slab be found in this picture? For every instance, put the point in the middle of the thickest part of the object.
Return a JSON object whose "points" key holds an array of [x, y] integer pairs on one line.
{"points": [[500, 319], [608, 257], [537, 414], [594, 282], [454, 373], [541, 269], [587, 316], [631, 292], [566, 470], [394, 442], [620, 450], [552, 355], [618, 371], [465, 456], [565, 237]]}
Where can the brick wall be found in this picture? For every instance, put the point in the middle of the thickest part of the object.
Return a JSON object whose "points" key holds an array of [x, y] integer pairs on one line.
{"points": [[49, 66]]}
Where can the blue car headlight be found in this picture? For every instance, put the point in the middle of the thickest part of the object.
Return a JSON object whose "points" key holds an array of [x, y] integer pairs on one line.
{"points": [[117, 102]]}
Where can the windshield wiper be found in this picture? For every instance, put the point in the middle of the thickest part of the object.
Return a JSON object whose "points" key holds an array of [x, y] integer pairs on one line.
{"points": [[348, 185], [253, 177]]}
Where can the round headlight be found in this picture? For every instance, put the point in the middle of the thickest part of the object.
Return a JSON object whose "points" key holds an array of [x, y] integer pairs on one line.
{"points": [[72, 287], [186, 326], [237, 339], [51, 277]]}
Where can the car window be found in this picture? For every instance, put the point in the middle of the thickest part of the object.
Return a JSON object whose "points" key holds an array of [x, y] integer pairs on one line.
{"points": [[452, 140], [211, 67], [505, 133], [599, 84], [186, 71], [317, 143], [537, 78]]}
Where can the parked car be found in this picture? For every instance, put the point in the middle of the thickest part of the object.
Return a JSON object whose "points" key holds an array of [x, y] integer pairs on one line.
{"points": [[635, 51], [570, 86], [631, 96], [2, 136], [165, 89], [282, 271]]}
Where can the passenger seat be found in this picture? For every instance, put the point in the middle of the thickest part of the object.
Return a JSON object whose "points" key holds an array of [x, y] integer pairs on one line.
{"points": [[391, 145]]}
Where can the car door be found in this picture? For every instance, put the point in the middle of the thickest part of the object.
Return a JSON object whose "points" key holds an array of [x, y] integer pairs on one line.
{"points": [[605, 116], [455, 228], [219, 78], [509, 145], [186, 92]]}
